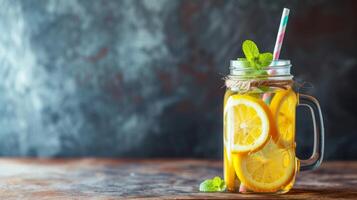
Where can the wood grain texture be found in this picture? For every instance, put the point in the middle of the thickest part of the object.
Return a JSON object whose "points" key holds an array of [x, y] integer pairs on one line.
{"points": [[152, 179]]}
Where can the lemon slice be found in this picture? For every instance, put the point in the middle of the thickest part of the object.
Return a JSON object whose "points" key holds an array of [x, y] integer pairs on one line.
{"points": [[283, 108], [229, 172], [248, 123], [267, 170]]}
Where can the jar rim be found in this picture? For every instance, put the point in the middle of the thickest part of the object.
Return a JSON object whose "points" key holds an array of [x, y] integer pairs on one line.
{"points": [[275, 64], [278, 69]]}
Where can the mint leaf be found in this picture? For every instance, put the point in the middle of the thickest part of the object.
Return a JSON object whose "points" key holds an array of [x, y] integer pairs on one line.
{"points": [[242, 59], [263, 89], [250, 50], [259, 73], [265, 59], [218, 182], [259, 90], [207, 186], [213, 185], [254, 60], [255, 73]]}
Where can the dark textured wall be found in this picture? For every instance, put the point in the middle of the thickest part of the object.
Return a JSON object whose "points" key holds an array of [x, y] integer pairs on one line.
{"points": [[143, 78]]}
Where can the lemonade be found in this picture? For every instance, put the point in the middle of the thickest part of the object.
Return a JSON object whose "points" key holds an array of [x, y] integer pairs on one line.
{"points": [[259, 141]]}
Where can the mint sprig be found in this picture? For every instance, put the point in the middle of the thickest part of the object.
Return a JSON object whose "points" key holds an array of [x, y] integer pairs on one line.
{"points": [[215, 184], [256, 60]]}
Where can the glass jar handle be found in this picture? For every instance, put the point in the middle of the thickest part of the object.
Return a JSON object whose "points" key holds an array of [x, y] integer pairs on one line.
{"points": [[319, 133]]}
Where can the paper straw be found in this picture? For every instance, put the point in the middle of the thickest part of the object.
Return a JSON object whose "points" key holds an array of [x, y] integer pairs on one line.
{"points": [[281, 33], [277, 47], [242, 188]]}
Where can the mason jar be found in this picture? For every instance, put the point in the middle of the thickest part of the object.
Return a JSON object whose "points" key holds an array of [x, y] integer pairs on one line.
{"points": [[259, 129]]}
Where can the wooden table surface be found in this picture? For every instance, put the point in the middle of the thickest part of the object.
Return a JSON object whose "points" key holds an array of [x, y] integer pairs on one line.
{"points": [[152, 179]]}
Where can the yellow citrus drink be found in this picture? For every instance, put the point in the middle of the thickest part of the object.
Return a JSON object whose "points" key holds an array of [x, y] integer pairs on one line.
{"points": [[259, 141]]}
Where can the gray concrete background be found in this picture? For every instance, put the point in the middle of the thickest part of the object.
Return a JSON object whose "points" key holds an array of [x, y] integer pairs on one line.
{"points": [[142, 78]]}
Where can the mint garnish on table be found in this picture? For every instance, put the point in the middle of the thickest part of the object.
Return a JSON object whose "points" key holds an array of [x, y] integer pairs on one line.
{"points": [[215, 184]]}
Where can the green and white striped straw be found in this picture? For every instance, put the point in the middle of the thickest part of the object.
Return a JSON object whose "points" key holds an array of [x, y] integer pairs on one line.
{"points": [[281, 33], [279, 41]]}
